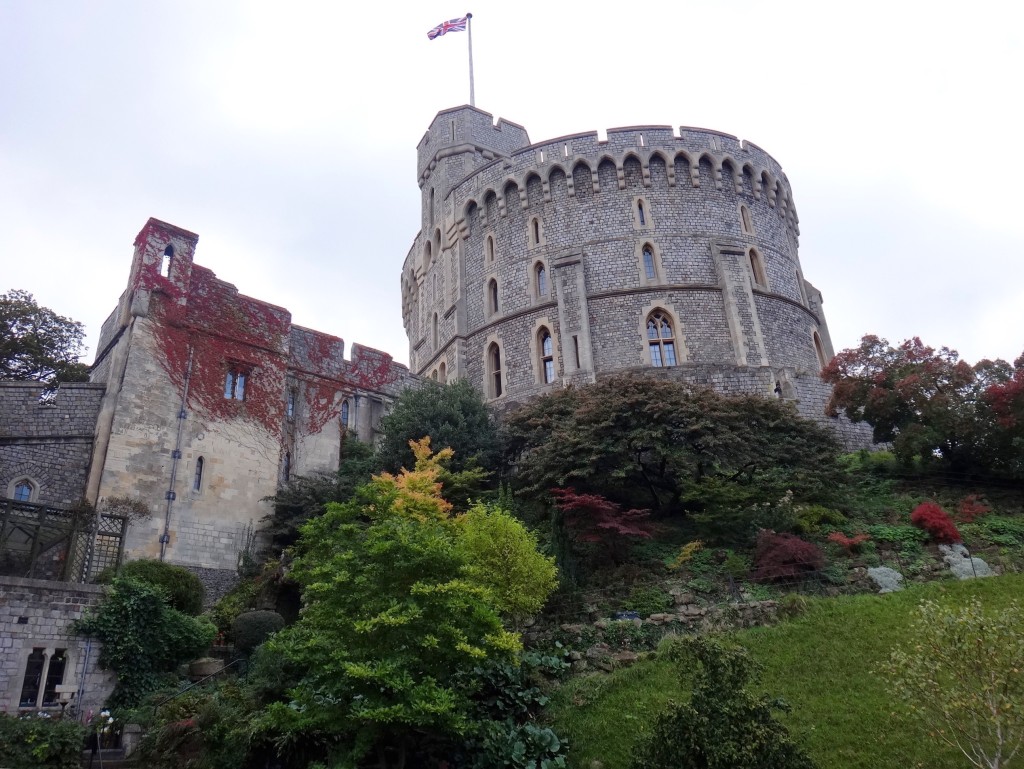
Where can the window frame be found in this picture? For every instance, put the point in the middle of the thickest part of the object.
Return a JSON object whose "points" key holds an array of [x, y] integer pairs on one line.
{"points": [[237, 380], [662, 350]]}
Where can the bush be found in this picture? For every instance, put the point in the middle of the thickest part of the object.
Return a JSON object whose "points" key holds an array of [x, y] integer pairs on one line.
{"points": [[971, 507], [849, 544], [40, 743], [252, 628], [144, 639], [810, 518], [936, 521], [184, 589], [785, 557], [649, 600]]}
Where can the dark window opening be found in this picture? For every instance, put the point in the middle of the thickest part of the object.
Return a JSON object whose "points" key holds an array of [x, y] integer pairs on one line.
{"points": [[649, 270], [197, 481], [54, 677], [33, 678]]}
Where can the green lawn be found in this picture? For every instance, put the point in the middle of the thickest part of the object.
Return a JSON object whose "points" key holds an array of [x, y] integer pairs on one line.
{"points": [[821, 663]]}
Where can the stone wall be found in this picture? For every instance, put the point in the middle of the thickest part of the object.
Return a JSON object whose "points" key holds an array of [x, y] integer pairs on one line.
{"points": [[37, 614], [48, 442]]}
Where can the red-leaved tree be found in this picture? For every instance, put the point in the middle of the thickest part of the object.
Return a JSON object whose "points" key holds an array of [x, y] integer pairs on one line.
{"points": [[785, 557], [594, 519], [937, 522], [849, 544], [971, 507]]}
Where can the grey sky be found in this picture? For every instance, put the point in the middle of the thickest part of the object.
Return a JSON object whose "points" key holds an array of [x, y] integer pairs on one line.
{"points": [[284, 134]]}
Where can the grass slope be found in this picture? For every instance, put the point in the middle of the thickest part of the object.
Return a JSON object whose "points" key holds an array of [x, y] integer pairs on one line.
{"points": [[821, 663]]}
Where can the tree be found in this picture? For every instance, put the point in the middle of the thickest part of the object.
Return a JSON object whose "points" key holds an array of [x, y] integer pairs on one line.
{"points": [[669, 446], [927, 402], [453, 415], [397, 616], [962, 676], [37, 344], [590, 518], [723, 726]]}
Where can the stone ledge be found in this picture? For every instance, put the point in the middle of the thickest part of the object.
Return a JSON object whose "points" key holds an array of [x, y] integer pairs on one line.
{"points": [[51, 584]]}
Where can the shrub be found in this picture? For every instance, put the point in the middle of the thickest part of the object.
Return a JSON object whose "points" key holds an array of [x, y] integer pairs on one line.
{"points": [[792, 605], [686, 552], [144, 639], [251, 628], [936, 521], [785, 557], [184, 589], [810, 518], [849, 544], [971, 507], [648, 600], [40, 743]]}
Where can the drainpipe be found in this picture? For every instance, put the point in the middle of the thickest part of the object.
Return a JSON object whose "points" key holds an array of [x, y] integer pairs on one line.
{"points": [[165, 538]]}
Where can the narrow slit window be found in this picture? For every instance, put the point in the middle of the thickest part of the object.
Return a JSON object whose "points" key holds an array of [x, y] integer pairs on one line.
{"points": [[286, 472], [433, 331], [819, 349], [661, 340], [542, 281], [492, 297], [640, 213], [535, 224], [494, 370], [649, 269], [745, 220], [344, 415], [291, 403], [33, 679], [197, 479], [757, 269], [490, 249], [576, 349]]}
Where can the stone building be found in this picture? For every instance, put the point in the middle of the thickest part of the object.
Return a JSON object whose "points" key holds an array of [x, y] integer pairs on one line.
{"points": [[542, 265]]}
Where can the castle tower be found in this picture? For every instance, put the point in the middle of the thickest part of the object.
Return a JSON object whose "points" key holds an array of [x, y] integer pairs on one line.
{"points": [[672, 252]]}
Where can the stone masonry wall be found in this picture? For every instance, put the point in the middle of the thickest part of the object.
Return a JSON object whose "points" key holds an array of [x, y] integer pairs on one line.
{"points": [[49, 443], [37, 614]]}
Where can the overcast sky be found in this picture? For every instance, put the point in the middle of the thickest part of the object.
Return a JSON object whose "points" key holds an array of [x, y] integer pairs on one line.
{"points": [[284, 134]]}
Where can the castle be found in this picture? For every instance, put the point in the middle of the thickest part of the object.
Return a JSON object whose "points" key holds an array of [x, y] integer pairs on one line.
{"points": [[537, 266], [543, 265]]}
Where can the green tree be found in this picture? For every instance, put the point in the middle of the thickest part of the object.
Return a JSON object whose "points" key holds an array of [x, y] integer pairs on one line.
{"points": [[962, 675], [668, 446], [501, 555], [453, 415], [392, 623], [37, 344], [723, 726], [143, 638], [928, 403]]}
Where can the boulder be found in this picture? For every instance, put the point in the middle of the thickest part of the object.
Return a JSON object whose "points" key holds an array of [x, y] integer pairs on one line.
{"points": [[960, 562], [888, 580]]}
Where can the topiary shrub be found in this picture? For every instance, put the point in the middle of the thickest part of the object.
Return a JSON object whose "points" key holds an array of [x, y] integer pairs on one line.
{"points": [[936, 521], [785, 558], [40, 743], [184, 589], [252, 628]]}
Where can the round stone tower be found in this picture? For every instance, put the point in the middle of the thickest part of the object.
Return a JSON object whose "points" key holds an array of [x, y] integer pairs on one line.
{"points": [[673, 252]]}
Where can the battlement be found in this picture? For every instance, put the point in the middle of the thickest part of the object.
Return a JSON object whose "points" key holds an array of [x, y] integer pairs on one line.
{"points": [[466, 129]]}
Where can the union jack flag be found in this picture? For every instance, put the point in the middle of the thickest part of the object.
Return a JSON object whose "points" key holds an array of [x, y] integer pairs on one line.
{"points": [[452, 25]]}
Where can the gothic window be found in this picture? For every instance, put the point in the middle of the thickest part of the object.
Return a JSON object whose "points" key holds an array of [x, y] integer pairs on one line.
{"points": [[197, 479], [650, 270], [166, 260], [661, 339], [54, 677], [33, 678], [234, 384], [344, 415], [547, 357], [540, 274], [490, 249], [535, 231], [442, 373], [641, 216], [745, 221], [757, 269], [819, 349], [23, 491], [494, 370], [492, 297]]}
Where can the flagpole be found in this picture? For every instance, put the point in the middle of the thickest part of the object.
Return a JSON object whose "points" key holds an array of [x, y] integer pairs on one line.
{"points": [[469, 28]]}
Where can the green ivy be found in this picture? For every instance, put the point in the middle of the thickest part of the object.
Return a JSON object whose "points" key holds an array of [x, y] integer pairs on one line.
{"points": [[143, 638]]}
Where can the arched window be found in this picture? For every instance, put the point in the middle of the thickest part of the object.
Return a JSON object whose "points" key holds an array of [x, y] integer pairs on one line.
{"points": [[757, 269], [661, 339], [23, 491], [166, 260], [344, 415], [494, 371], [492, 297], [540, 274], [547, 355], [819, 348], [745, 221], [641, 216], [649, 268], [197, 479], [442, 373], [433, 331], [490, 249], [535, 231]]}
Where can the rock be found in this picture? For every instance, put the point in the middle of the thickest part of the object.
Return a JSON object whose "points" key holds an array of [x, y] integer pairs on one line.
{"points": [[579, 665], [660, 619], [598, 650], [684, 598], [575, 656], [962, 564], [692, 610], [888, 580], [624, 658]]}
